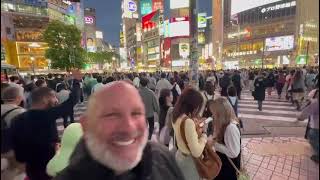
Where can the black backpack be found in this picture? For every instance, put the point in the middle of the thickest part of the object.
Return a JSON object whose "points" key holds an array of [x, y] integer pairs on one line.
{"points": [[6, 144]]}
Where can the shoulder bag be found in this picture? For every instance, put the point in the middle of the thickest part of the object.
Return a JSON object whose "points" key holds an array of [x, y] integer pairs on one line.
{"points": [[209, 163], [242, 173]]}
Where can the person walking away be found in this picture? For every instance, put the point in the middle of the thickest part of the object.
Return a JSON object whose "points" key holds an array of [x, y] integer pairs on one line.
{"points": [[150, 103], [152, 82], [201, 82], [225, 82], [280, 81], [259, 92], [165, 102], [251, 80], [187, 109], [237, 83], [163, 83], [176, 91], [51, 81], [12, 98], [63, 95], [312, 133], [136, 80], [34, 132], [233, 99], [27, 94], [226, 137], [207, 94], [270, 82], [310, 80], [298, 89], [289, 80], [97, 86]]}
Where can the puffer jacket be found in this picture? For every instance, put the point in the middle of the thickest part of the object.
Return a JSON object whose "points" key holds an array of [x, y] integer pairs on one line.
{"points": [[157, 163]]}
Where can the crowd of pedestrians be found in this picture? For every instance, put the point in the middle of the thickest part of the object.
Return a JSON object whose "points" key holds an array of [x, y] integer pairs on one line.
{"points": [[120, 118]]}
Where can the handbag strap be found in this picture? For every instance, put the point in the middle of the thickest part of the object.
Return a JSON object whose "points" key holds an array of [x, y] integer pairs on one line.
{"points": [[182, 131], [233, 165]]}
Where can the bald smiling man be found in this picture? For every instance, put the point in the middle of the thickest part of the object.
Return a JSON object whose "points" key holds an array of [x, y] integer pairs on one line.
{"points": [[115, 141]]}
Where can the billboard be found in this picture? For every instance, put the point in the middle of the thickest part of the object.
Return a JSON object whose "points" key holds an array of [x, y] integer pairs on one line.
{"points": [[202, 20], [184, 50], [89, 20], [145, 7], [129, 8], [279, 43], [201, 38], [179, 27], [238, 6], [99, 35], [150, 21], [175, 4], [157, 5], [166, 28]]}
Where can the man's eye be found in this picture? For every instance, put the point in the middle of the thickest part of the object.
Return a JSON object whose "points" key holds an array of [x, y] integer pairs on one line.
{"points": [[137, 113]]}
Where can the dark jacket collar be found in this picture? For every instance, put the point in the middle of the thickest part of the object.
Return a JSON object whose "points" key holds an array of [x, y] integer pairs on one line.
{"points": [[82, 161]]}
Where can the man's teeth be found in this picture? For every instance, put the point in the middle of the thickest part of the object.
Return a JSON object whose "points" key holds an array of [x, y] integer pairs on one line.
{"points": [[124, 143]]}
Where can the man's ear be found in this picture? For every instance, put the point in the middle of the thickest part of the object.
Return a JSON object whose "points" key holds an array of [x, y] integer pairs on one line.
{"points": [[84, 122]]}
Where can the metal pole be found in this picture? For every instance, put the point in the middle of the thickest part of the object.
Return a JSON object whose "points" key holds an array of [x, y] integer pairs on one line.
{"points": [[262, 59], [193, 65], [307, 58]]}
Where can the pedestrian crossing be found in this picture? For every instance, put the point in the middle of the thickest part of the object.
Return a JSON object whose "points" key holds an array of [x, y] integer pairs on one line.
{"points": [[273, 109]]}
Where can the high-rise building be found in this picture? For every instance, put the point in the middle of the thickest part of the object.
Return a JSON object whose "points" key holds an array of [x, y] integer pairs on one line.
{"points": [[265, 34], [22, 24], [130, 17], [179, 34]]}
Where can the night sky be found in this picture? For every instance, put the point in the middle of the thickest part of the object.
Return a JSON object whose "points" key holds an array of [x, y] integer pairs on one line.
{"points": [[109, 16]]}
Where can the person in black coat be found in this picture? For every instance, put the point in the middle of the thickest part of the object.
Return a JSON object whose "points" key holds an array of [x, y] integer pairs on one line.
{"points": [[236, 79], [224, 83], [270, 82], [259, 90], [35, 134]]}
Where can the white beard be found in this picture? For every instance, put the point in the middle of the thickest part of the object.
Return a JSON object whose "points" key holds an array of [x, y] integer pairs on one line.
{"points": [[101, 153]]}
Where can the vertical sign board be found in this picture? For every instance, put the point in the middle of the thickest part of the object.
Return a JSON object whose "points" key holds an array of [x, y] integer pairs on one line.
{"points": [[145, 7]]}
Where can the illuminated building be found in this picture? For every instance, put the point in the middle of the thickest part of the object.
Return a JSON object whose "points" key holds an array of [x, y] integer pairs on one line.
{"points": [[265, 33], [128, 35], [179, 33], [22, 24]]}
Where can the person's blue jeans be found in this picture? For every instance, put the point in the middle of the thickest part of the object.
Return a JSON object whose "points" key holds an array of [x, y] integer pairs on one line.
{"points": [[313, 136]]}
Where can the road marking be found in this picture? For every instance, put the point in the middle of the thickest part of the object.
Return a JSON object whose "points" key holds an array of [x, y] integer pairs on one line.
{"points": [[264, 105], [264, 117], [269, 111]]}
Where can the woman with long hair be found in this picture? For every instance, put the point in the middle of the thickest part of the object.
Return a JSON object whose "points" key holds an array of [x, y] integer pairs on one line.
{"points": [[226, 136], [186, 111], [165, 102]]}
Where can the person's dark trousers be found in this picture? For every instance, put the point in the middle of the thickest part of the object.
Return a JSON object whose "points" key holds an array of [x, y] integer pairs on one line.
{"points": [[260, 105], [279, 87], [239, 93], [151, 126], [313, 136], [37, 173], [81, 95], [65, 120]]}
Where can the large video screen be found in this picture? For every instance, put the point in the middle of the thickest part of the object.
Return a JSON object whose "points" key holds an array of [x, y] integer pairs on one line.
{"points": [[179, 27], [279, 43], [238, 6]]}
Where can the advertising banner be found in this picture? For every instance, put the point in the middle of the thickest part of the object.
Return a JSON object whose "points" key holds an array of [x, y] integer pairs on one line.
{"points": [[157, 5], [179, 27], [184, 50], [176, 4], [238, 6], [150, 21], [145, 7], [279, 43], [202, 20]]}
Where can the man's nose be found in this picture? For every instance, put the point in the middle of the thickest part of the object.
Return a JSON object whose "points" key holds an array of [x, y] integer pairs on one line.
{"points": [[128, 123]]}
